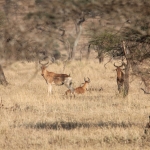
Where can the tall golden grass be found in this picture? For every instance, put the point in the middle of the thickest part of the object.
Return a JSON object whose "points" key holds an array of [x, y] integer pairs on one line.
{"points": [[96, 120]]}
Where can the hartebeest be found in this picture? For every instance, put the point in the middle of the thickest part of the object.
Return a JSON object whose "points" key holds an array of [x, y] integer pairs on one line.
{"points": [[79, 90], [120, 77], [54, 78]]}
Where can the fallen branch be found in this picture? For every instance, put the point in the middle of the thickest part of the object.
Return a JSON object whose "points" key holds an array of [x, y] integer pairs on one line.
{"points": [[145, 91]]}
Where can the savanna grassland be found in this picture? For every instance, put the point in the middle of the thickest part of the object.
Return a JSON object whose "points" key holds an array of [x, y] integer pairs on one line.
{"points": [[96, 120]]}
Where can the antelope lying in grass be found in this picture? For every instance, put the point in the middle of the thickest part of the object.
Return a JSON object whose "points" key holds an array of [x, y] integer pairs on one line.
{"points": [[79, 90], [54, 78], [120, 77]]}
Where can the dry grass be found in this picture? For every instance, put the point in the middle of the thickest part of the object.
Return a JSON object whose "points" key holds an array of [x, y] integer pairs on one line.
{"points": [[96, 120]]}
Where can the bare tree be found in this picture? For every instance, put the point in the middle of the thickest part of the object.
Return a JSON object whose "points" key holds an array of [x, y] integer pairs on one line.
{"points": [[79, 24], [44, 21], [2, 77], [88, 51], [127, 68]]}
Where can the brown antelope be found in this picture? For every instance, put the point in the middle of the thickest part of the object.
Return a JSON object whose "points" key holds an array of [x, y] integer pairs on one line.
{"points": [[120, 77], [79, 90], [54, 78]]}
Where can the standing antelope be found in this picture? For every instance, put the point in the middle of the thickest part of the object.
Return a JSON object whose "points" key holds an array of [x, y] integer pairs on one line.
{"points": [[120, 77], [54, 78], [80, 89]]}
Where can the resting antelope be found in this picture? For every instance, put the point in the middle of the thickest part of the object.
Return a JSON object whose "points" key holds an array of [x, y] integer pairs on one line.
{"points": [[120, 77], [54, 78], [79, 90]]}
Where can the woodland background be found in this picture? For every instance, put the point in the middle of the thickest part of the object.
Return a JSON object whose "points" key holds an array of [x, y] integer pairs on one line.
{"points": [[86, 38]]}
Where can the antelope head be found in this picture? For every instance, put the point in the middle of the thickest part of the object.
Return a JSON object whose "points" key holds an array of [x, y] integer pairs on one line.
{"points": [[43, 67], [120, 74], [87, 81], [118, 68]]}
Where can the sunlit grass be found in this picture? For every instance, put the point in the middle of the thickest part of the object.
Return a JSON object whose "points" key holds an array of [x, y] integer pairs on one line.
{"points": [[95, 120]]}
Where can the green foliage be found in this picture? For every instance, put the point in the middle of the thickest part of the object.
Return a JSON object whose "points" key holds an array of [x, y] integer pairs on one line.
{"points": [[2, 19], [106, 40], [38, 1], [78, 2], [40, 15], [56, 54], [29, 15], [85, 1]]}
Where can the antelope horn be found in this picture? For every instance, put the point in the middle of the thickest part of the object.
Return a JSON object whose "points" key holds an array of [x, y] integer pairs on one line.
{"points": [[121, 65], [118, 66], [44, 63], [88, 79], [84, 79], [115, 65]]}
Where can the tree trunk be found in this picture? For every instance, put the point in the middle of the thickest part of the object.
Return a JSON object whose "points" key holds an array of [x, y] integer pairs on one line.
{"points": [[88, 52], [76, 43], [126, 79], [2, 77], [77, 38], [100, 57], [127, 69], [3, 9]]}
